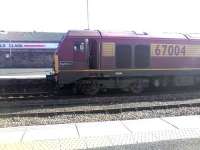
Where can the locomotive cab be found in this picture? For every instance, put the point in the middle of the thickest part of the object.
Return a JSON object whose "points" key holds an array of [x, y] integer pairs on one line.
{"points": [[77, 52]]}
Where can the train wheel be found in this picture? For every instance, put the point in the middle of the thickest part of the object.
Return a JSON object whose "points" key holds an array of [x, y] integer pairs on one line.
{"points": [[90, 89], [136, 87]]}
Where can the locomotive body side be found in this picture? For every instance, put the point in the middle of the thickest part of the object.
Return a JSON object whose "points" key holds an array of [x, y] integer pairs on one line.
{"points": [[94, 60]]}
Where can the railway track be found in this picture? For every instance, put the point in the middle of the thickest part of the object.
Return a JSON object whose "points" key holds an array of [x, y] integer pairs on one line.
{"points": [[47, 100], [94, 109], [49, 105], [70, 109]]}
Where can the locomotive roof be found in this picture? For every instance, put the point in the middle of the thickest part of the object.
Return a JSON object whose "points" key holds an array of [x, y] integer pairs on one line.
{"points": [[133, 34]]}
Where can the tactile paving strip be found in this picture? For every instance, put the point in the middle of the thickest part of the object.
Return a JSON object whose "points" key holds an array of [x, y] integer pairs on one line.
{"points": [[182, 139]]}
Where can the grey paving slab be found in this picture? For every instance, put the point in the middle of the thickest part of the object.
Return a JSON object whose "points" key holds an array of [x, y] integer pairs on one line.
{"points": [[184, 121], [45, 132], [11, 135], [144, 125], [101, 128]]}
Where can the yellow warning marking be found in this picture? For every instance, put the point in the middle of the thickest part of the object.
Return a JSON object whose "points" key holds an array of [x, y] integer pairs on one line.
{"points": [[108, 49]]}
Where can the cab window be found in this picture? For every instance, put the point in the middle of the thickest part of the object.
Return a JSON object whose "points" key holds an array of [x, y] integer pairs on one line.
{"points": [[79, 46]]}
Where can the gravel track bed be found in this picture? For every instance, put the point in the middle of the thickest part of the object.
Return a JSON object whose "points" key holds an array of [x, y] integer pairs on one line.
{"points": [[75, 118]]}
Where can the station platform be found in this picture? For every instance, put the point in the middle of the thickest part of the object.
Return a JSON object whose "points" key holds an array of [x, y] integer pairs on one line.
{"points": [[24, 73], [182, 133]]}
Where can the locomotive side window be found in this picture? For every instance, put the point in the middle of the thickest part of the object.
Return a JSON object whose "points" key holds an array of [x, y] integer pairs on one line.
{"points": [[142, 56], [123, 56]]}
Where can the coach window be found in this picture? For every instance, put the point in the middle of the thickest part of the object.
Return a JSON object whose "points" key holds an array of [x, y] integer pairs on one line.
{"points": [[123, 56], [142, 56]]}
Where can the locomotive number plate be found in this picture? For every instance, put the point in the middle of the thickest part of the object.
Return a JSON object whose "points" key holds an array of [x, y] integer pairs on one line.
{"points": [[168, 50], [175, 50]]}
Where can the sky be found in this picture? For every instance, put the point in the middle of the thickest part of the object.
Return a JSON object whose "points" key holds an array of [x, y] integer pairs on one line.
{"points": [[124, 15]]}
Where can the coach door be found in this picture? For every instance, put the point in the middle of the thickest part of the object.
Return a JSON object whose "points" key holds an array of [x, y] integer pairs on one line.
{"points": [[93, 54]]}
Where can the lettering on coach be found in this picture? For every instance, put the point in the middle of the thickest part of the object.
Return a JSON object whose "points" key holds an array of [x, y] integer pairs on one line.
{"points": [[16, 45]]}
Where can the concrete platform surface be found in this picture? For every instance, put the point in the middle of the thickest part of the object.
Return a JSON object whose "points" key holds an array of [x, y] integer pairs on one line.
{"points": [[42, 76], [24, 71], [19, 73], [179, 133]]}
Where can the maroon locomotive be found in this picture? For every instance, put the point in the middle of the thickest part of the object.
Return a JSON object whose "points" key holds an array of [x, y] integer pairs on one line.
{"points": [[90, 61]]}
